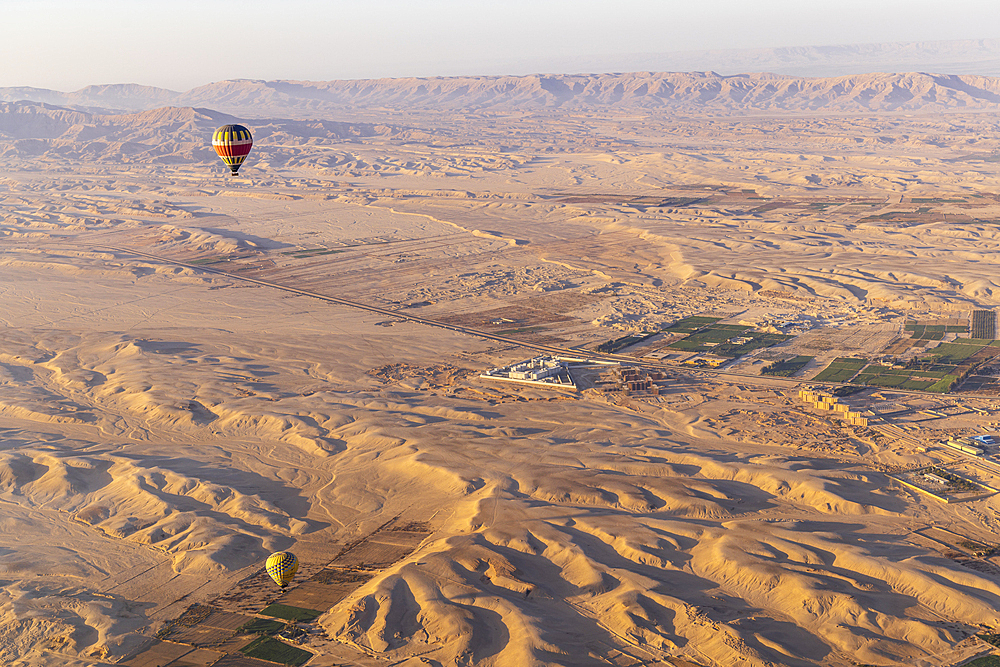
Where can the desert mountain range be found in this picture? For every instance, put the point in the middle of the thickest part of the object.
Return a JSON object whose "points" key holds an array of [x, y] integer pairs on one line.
{"points": [[173, 135], [691, 92]]}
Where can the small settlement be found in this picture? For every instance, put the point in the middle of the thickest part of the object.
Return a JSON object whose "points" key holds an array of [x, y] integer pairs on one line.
{"points": [[546, 371], [577, 374]]}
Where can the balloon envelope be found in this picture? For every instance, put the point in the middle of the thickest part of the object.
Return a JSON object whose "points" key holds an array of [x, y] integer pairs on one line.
{"points": [[282, 566], [232, 143]]}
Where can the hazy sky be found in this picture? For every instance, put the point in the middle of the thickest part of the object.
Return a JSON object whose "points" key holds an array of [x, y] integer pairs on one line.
{"points": [[179, 44]]}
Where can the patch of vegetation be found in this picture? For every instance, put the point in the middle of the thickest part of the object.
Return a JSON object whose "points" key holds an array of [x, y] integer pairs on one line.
{"points": [[875, 370], [956, 484], [716, 339], [881, 380], [960, 350], [990, 638], [268, 648], [704, 340], [788, 367], [691, 324], [758, 341], [932, 331], [977, 549], [985, 661], [191, 617], [917, 385], [261, 626], [946, 328], [943, 385], [616, 344], [936, 374], [847, 390], [841, 369], [290, 613]]}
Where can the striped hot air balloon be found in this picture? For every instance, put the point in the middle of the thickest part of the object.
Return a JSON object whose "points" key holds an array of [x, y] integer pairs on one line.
{"points": [[282, 566], [232, 143]]}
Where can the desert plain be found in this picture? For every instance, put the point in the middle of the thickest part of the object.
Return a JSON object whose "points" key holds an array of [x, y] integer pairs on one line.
{"points": [[197, 370]]}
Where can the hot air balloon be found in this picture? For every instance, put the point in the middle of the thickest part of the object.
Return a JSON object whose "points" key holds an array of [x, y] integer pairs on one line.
{"points": [[282, 566], [232, 143]]}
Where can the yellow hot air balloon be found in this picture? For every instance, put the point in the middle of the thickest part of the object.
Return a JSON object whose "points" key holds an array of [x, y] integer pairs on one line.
{"points": [[282, 566]]}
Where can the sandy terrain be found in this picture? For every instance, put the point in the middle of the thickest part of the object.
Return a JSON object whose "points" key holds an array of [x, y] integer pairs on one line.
{"points": [[177, 400]]}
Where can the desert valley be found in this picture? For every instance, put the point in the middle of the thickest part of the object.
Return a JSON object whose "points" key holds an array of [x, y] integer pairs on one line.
{"points": [[767, 303]]}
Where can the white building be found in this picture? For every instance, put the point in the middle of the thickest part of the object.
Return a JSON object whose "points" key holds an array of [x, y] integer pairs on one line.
{"points": [[538, 368]]}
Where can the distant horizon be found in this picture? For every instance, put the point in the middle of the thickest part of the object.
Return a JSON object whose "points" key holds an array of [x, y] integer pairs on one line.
{"points": [[65, 46], [990, 66]]}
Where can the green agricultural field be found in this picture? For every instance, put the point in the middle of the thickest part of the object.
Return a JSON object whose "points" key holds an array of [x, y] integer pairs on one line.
{"points": [[933, 331], [926, 332], [788, 367], [917, 385], [836, 374], [714, 339], [610, 346], [268, 648], [905, 378], [886, 376], [841, 369], [954, 353], [882, 380], [691, 324], [985, 661], [686, 345], [702, 340], [290, 613], [937, 374], [714, 335], [759, 340], [844, 369], [944, 384], [262, 626]]}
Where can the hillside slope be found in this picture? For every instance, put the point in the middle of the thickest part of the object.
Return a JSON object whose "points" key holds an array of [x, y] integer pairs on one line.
{"points": [[691, 92]]}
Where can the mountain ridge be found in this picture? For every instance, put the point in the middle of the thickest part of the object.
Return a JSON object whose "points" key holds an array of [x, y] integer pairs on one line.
{"points": [[168, 134], [682, 92]]}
